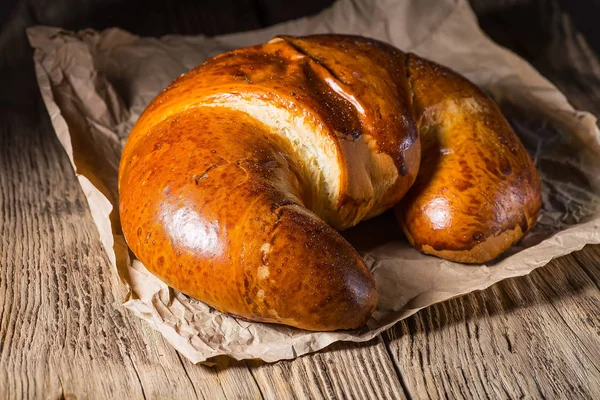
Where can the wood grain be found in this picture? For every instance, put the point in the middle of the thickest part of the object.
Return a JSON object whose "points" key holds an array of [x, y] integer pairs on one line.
{"points": [[343, 370], [534, 336], [64, 333]]}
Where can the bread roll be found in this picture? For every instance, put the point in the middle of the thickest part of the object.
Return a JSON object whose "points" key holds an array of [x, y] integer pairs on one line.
{"points": [[235, 178]]}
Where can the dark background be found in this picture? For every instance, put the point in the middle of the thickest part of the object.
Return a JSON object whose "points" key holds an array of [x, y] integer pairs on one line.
{"points": [[525, 26]]}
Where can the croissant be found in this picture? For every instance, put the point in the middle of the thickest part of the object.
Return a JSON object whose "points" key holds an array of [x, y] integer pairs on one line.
{"points": [[236, 178]]}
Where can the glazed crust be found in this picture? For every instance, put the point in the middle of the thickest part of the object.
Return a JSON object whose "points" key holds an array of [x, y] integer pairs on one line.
{"points": [[477, 192], [235, 176]]}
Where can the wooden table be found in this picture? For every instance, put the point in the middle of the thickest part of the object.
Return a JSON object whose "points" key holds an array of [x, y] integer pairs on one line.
{"points": [[64, 333]]}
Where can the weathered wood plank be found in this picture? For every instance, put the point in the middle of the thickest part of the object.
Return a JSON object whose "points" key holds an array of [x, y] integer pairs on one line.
{"points": [[233, 377], [52, 268], [343, 370], [574, 294], [509, 341]]}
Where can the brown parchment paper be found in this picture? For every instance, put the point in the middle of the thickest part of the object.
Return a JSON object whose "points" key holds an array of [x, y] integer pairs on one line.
{"points": [[95, 85]]}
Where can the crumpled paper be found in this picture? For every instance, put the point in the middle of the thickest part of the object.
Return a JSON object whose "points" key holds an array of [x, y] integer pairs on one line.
{"points": [[95, 85]]}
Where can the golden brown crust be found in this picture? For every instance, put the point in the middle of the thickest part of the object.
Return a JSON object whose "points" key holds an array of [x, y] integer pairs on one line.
{"points": [[232, 174], [478, 191]]}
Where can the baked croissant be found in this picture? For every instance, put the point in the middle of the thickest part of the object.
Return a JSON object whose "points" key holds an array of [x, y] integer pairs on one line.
{"points": [[235, 178]]}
